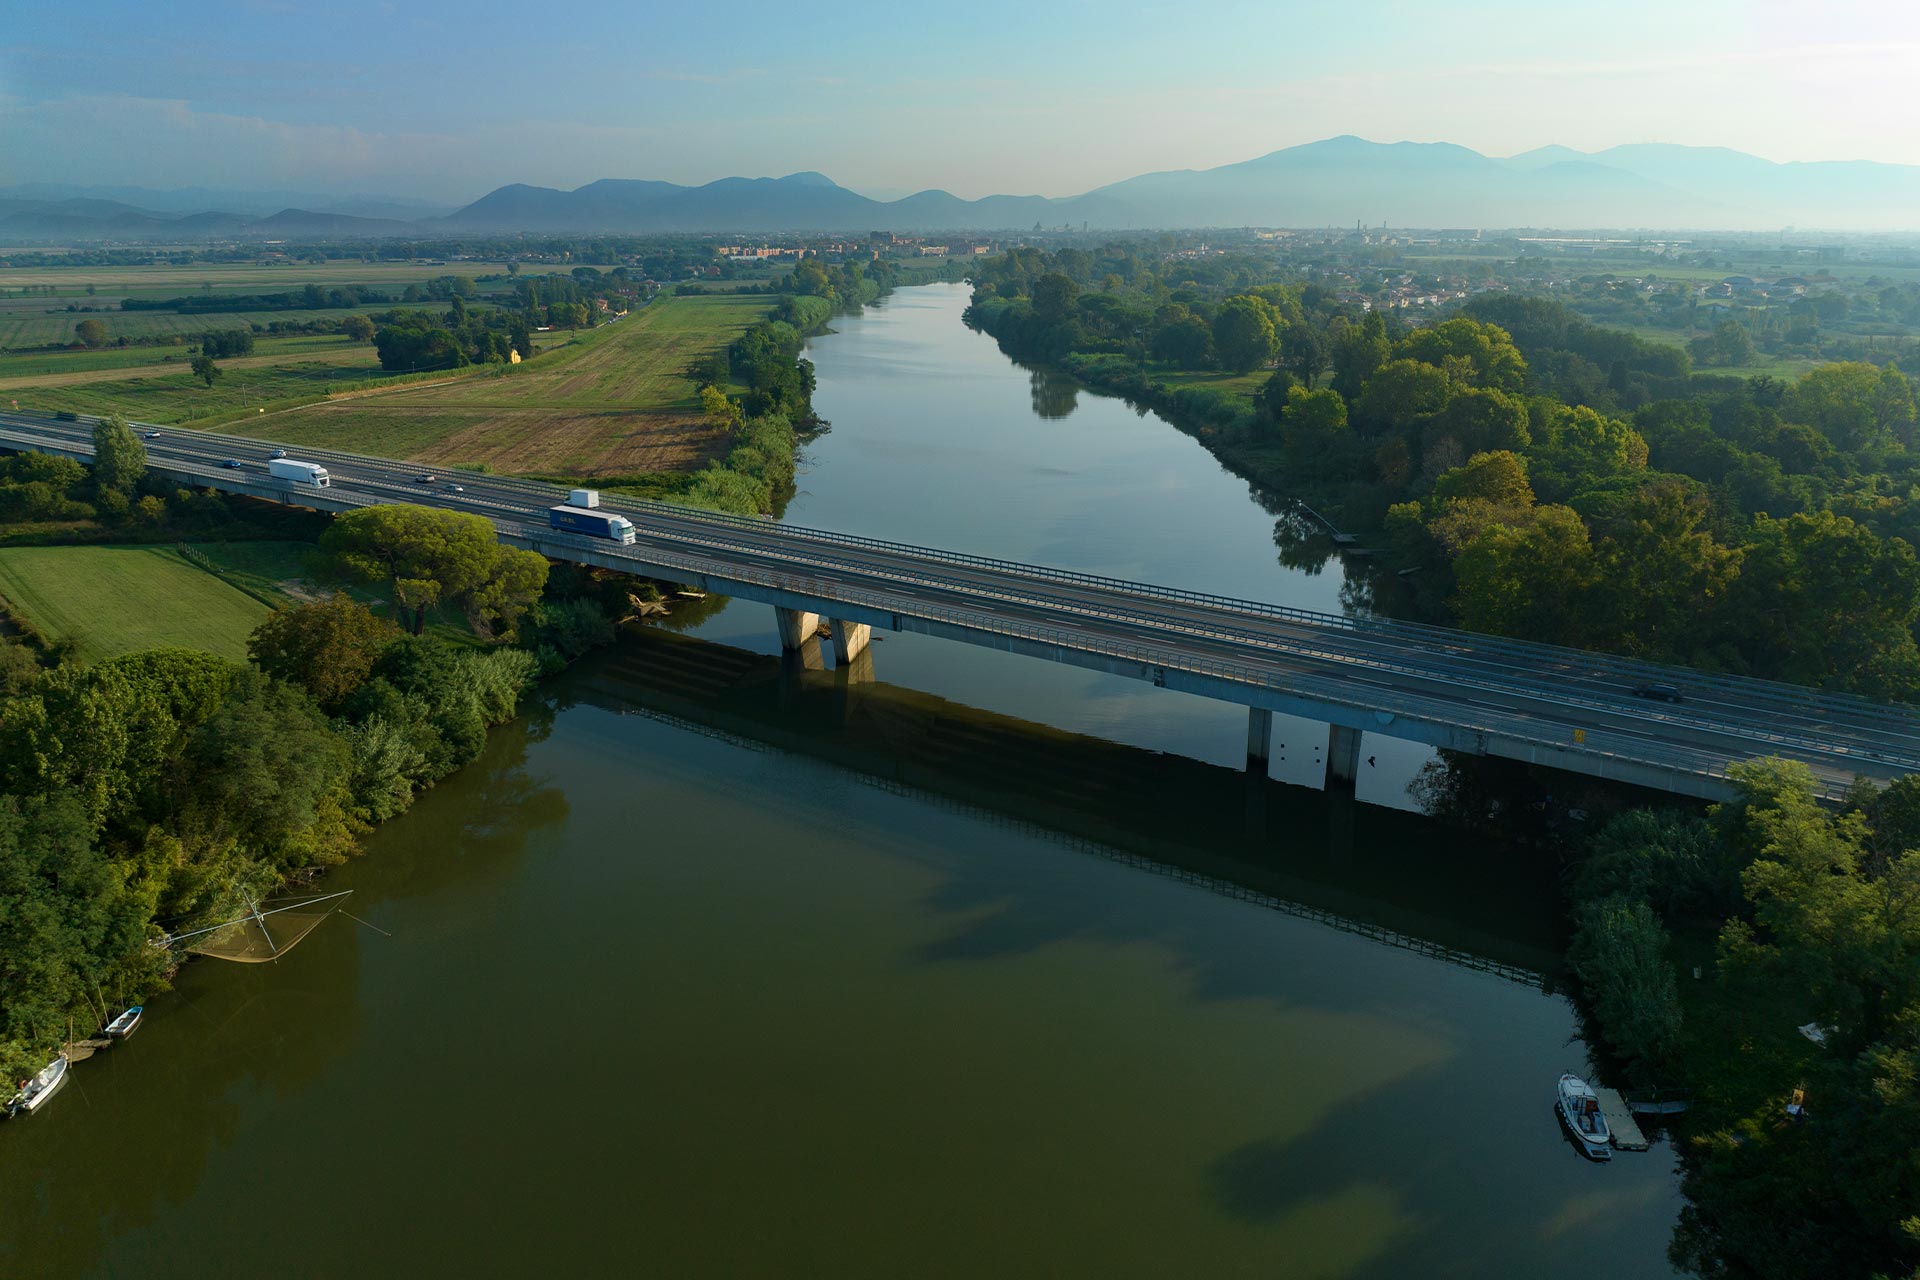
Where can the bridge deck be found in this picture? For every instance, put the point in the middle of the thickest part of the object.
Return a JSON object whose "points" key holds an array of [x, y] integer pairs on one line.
{"points": [[1562, 707]]}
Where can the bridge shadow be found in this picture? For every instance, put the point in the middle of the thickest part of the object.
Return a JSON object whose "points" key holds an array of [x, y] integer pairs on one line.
{"points": [[1398, 878]]}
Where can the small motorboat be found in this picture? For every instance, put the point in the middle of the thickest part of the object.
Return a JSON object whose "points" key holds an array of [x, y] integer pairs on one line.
{"points": [[1580, 1112], [126, 1024], [34, 1093]]}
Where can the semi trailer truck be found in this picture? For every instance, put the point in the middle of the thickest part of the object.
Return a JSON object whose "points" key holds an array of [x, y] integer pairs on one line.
{"points": [[299, 472], [595, 524]]}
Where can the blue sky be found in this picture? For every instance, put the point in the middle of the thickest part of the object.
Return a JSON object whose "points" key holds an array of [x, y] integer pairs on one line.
{"points": [[448, 100]]}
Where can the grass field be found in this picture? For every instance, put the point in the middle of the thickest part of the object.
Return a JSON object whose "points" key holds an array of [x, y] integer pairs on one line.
{"points": [[23, 327], [69, 368], [615, 401], [113, 600], [177, 396]]}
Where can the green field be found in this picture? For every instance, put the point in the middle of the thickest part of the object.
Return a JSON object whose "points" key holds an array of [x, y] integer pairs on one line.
{"points": [[113, 600], [22, 327], [613, 401], [59, 366], [180, 397]]}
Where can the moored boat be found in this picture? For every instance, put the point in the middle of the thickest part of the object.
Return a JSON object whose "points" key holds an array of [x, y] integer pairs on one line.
{"points": [[126, 1024], [34, 1093], [1580, 1111]]}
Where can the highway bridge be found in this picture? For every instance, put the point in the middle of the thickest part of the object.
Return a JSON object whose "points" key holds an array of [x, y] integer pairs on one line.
{"points": [[1546, 705]]}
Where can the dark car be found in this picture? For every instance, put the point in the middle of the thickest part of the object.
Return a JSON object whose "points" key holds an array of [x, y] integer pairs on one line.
{"points": [[456, 488], [233, 464], [1658, 692]]}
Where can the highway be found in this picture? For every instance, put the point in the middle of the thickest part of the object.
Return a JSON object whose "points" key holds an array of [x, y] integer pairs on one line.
{"points": [[1449, 688]]}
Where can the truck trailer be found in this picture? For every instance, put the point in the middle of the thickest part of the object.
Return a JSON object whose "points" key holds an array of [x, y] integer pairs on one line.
{"points": [[595, 524], [299, 472]]}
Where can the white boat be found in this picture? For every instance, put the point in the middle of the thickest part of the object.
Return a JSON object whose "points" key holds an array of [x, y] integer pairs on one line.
{"points": [[126, 1024], [34, 1093], [1580, 1112]]}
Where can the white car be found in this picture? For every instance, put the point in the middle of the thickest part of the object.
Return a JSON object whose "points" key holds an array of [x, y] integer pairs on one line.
{"points": [[151, 435]]}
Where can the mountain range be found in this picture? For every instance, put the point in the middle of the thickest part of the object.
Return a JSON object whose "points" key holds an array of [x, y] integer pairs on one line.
{"points": [[1335, 182]]}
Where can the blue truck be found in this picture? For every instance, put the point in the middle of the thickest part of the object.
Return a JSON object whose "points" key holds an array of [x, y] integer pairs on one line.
{"points": [[595, 524]]}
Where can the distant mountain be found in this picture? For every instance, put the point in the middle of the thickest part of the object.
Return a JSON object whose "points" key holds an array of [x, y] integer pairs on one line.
{"points": [[1335, 182]]}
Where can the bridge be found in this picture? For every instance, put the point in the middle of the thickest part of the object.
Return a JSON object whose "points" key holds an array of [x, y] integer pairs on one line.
{"points": [[1542, 704]]}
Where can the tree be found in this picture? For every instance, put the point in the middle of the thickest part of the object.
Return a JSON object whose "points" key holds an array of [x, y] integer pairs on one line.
{"points": [[1358, 352], [119, 458], [1303, 350], [91, 332], [1822, 600], [1185, 341], [427, 556], [1314, 432], [206, 370], [357, 328], [1499, 478], [327, 647], [1619, 952], [1053, 297], [1401, 393], [265, 769], [1526, 577], [1244, 335], [1855, 405], [1485, 352], [1573, 449]]}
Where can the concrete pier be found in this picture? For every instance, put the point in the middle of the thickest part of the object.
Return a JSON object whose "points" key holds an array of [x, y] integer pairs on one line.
{"points": [[1259, 739], [1343, 757], [850, 640], [796, 627]]}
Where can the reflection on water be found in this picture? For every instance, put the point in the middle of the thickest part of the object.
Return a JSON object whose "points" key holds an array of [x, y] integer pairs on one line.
{"points": [[720, 965]]}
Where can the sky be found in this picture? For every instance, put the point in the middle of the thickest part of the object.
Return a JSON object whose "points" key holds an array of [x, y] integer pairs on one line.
{"points": [[445, 101]]}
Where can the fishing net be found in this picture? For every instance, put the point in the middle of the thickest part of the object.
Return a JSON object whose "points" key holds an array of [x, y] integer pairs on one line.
{"points": [[265, 934]]}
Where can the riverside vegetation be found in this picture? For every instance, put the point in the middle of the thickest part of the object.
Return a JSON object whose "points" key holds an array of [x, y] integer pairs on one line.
{"points": [[1556, 481], [170, 785]]}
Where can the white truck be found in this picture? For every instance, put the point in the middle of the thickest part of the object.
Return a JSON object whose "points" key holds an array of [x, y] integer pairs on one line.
{"points": [[299, 472]]}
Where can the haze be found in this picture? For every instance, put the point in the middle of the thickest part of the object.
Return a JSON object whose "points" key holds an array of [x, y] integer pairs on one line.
{"points": [[445, 101]]}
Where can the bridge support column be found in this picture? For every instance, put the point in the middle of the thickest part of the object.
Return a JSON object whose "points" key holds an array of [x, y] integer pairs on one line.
{"points": [[1259, 739], [796, 628], [1343, 757], [849, 641]]}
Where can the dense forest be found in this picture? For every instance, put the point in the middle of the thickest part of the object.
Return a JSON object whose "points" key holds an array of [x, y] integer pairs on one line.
{"points": [[1538, 476]]}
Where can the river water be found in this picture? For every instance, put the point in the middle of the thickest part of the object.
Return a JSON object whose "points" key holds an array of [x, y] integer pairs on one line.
{"points": [[715, 965]]}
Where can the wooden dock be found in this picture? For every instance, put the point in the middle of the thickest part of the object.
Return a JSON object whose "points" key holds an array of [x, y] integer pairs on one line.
{"points": [[1620, 1121]]}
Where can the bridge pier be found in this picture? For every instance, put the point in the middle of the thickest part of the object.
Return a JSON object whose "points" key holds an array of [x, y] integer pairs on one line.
{"points": [[1259, 739], [796, 627], [850, 640], [1343, 757]]}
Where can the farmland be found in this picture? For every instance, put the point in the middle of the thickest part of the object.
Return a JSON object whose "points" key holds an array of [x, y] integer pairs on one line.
{"points": [[615, 401], [112, 600]]}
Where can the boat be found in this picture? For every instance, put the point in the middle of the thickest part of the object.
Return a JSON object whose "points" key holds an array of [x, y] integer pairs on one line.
{"points": [[1580, 1111], [34, 1093], [126, 1024]]}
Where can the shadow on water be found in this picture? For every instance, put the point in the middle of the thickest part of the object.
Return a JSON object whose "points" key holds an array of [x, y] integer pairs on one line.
{"points": [[230, 1035], [1396, 877]]}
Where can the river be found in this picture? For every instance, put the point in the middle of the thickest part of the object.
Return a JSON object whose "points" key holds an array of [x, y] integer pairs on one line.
{"points": [[713, 966]]}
